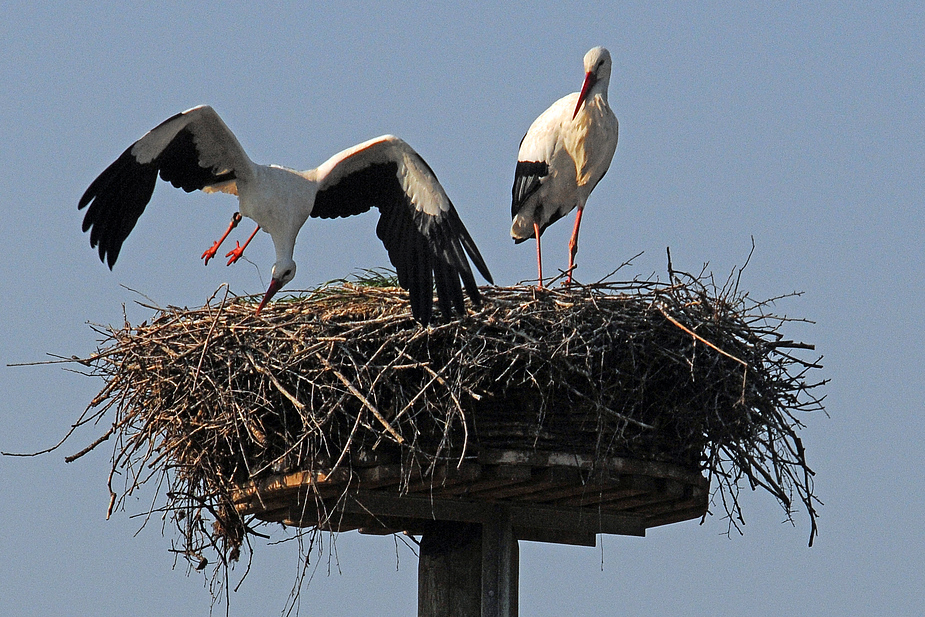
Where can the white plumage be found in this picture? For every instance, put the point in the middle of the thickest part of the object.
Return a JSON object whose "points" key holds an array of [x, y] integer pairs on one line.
{"points": [[563, 156], [195, 150]]}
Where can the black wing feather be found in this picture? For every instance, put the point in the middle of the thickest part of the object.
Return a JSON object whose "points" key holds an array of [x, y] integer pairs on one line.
{"points": [[528, 176], [358, 192], [425, 249], [459, 230], [179, 165], [117, 198]]}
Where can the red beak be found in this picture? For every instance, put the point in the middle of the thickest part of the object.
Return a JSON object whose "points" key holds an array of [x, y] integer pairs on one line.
{"points": [[590, 80], [275, 286]]}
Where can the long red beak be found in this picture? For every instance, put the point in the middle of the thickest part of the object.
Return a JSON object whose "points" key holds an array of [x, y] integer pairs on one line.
{"points": [[590, 79], [275, 286]]}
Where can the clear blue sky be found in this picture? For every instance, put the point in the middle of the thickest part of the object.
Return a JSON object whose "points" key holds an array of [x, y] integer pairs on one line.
{"points": [[801, 127]]}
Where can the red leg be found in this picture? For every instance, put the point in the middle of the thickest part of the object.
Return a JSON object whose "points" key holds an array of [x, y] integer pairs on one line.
{"points": [[539, 254], [238, 249], [573, 247], [210, 252]]}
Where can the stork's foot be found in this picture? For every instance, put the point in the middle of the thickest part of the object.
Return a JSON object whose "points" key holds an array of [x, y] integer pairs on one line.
{"points": [[210, 252], [236, 252]]}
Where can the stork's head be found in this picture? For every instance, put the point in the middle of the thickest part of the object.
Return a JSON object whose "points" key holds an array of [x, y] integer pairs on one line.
{"points": [[597, 71], [283, 272]]}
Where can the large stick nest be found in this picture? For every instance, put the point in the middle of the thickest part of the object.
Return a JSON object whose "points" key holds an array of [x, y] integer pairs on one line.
{"points": [[685, 371]]}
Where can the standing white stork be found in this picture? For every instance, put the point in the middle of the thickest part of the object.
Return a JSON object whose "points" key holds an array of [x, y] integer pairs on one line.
{"points": [[424, 236], [562, 157]]}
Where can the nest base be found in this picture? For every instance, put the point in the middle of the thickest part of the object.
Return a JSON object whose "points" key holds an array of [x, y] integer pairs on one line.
{"points": [[549, 497]]}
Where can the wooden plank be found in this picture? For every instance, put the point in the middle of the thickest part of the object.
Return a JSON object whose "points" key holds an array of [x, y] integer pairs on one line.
{"points": [[377, 531], [566, 499], [577, 520], [272, 502], [275, 516], [415, 527], [543, 481], [522, 514], [656, 469], [693, 505], [654, 511], [556, 536], [253, 494], [520, 491], [627, 487], [564, 484], [635, 503], [308, 497], [327, 519], [493, 480], [381, 476], [444, 477], [404, 511], [677, 516]]}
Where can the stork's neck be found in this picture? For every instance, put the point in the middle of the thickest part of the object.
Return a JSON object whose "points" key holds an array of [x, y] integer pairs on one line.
{"points": [[600, 88], [284, 244]]}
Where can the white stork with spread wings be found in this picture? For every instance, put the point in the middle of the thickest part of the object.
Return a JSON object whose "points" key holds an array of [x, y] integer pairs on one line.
{"points": [[421, 230], [563, 156]]}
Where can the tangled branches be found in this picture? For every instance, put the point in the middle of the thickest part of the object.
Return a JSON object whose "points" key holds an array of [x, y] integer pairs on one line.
{"points": [[204, 400]]}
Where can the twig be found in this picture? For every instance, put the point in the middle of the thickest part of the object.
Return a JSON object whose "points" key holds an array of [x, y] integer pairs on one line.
{"points": [[362, 399]]}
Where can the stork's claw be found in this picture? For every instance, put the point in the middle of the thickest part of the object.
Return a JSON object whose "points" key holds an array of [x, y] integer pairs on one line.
{"points": [[236, 252], [210, 252]]}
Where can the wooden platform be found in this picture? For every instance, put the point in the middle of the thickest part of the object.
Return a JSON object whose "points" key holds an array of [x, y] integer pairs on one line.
{"points": [[548, 497]]}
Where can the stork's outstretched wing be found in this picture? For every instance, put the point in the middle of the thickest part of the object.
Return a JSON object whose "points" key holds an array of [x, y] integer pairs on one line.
{"points": [[421, 230], [192, 150]]}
